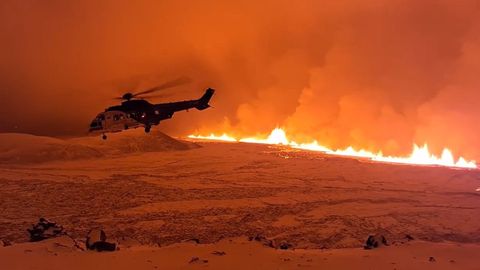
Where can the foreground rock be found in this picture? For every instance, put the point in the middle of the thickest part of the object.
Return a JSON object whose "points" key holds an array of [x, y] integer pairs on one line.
{"points": [[5, 243], [271, 242], [375, 241], [97, 240], [44, 229], [197, 260]]}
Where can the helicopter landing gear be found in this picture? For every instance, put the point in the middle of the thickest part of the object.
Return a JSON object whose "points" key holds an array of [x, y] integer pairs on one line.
{"points": [[147, 128], [104, 136]]}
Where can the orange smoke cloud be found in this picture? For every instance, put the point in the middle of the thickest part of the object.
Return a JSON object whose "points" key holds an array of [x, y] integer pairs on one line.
{"points": [[371, 74]]}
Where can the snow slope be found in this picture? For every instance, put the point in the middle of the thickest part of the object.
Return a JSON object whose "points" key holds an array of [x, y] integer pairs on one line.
{"points": [[24, 148], [18, 148]]}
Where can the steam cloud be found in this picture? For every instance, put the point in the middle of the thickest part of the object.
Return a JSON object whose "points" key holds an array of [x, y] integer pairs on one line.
{"points": [[373, 74]]}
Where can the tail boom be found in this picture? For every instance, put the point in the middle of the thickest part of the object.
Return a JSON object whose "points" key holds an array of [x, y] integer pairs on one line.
{"points": [[203, 101]]}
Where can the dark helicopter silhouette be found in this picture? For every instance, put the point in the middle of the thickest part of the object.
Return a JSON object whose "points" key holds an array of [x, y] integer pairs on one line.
{"points": [[136, 112]]}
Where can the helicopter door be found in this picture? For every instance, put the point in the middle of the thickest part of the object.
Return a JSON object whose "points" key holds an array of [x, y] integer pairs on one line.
{"points": [[115, 121]]}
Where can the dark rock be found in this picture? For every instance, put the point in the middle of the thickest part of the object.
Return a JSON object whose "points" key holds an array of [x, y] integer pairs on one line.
{"points": [[197, 260], [5, 243], [97, 240], [194, 240], [375, 241], [219, 253], [409, 237], [262, 239], [432, 259], [285, 245], [44, 229], [270, 242]]}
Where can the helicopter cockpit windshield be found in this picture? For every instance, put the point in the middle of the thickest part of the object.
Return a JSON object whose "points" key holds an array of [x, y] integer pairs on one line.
{"points": [[96, 124]]}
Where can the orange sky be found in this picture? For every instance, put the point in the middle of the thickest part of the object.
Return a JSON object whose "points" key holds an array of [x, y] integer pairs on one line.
{"points": [[369, 73]]}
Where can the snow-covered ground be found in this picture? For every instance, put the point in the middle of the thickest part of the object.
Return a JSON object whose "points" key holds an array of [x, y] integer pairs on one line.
{"points": [[29, 149], [222, 191]]}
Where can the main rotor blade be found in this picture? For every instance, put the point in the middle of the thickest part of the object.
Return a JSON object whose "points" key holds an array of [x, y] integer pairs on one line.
{"points": [[170, 84], [156, 96]]}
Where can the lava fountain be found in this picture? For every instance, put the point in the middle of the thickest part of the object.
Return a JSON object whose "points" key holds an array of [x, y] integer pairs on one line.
{"points": [[420, 154]]}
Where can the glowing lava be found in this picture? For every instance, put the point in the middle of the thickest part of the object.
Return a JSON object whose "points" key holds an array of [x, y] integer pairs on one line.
{"points": [[213, 137], [419, 155], [277, 136]]}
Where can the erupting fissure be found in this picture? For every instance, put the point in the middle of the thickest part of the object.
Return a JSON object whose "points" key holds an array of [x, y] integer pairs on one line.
{"points": [[420, 154]]}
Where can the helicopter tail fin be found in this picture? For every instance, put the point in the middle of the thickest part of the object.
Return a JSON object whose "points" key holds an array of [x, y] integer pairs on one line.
{"points": [[203, 101]]}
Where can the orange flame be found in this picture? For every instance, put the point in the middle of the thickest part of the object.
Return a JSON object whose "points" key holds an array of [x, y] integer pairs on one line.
{"points": [[419, 155], [213, 137]]}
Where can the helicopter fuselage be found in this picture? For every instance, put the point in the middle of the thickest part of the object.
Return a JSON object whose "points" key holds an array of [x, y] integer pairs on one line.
{"points": [[141, 113]]}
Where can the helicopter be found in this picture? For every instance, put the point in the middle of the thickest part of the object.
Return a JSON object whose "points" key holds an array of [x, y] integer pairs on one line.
{"points": [[135, 111]]}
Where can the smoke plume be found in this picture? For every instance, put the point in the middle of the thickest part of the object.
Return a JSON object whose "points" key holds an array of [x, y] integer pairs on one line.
{"points": [[374, 74]]}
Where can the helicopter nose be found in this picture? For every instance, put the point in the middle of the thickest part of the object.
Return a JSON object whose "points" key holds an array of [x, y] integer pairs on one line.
{"points": [[95, 126]]}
